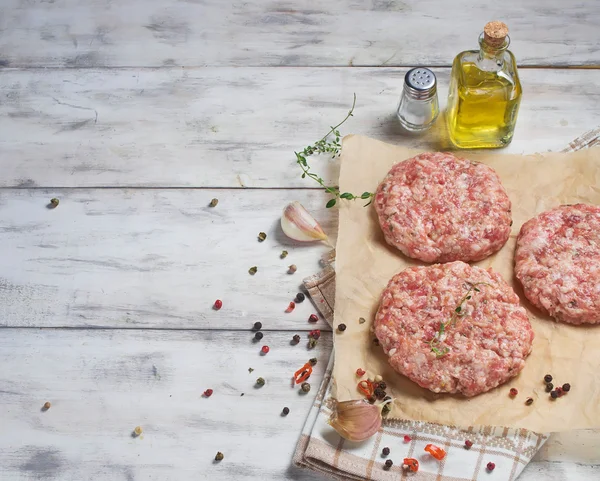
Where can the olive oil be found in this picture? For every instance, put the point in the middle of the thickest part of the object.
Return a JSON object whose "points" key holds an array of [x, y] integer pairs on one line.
{"points": [[485, 93]]}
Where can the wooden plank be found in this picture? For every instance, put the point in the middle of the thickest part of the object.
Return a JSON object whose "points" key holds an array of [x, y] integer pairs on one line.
{"points": [[226, 127], [84, 33], [102, 384], [154, 258]]}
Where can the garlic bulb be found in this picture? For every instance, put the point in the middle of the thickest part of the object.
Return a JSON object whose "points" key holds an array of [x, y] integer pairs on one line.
{"points": [[299, 225], [356, 420]]}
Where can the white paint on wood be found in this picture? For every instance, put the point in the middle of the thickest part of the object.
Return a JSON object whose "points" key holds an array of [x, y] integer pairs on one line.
{"points": [[226, 127], [154, 258], [93, 33], [102, 384]]}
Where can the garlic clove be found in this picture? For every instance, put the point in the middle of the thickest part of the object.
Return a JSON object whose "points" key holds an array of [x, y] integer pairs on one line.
{"points": [[299, 225], [356, 420]]}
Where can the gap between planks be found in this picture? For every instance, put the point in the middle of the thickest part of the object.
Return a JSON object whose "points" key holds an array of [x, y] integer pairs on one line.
{"points": [[200, 67], [174, 329]]}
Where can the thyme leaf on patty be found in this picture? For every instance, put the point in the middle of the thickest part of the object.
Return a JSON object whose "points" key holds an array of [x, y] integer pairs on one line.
{"points": [[456, 315]]}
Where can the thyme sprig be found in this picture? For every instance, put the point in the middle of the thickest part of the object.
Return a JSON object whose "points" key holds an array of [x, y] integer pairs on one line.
{"points": [[456, 315], [326, 146]]}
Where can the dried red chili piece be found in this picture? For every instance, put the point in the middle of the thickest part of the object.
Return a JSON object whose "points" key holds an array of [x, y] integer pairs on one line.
{"points": [[437, 452], [412, 464]]}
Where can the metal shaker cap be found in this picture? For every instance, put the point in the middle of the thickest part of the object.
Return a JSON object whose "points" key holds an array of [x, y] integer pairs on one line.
{"points": [[420, 83]]}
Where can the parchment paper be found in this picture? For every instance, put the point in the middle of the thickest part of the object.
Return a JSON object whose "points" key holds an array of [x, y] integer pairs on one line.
{"points": [[365, 263]]}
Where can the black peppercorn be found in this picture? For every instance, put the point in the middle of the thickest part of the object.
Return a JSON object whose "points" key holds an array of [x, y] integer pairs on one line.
{"points": [[305, 387], [219, 456], [385, 451], [529, 401], [258, 336], [383, 385], [547, 378], [313, 361], [371, 399], [286, 411], [379, 393], [257, 326], [296, 338], [299, 297], [341, 327], [389, 463], [549, 387], [376, 341], [553, 394], [566, 387]]}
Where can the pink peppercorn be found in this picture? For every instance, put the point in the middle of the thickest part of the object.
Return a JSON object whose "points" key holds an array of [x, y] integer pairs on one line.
{"points": [[313, 318], [291, 307], [490, 466], [218, 304], [468, 444], [360, 372], [264, 349], [208, 393], [407, 438], [513, 392]]}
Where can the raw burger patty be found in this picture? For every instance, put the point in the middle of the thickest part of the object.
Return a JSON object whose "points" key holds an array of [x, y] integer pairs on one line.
{"points": [[483, 346], [557, 261], [437, 207]]}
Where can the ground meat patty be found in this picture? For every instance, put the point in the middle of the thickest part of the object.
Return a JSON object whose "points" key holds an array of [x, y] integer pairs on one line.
{"points": [[486, 337], [437, 207], [557, 261]]}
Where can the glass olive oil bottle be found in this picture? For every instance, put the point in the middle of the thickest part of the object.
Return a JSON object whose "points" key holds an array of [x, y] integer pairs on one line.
{"points": [[485, 93]]}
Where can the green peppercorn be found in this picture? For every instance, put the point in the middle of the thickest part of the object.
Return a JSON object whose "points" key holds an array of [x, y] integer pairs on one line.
{"points": [[260, 381], [214, 202], [386, 409], [547, 378], [313, 361], [283, 254], [253, 270], [341, 327], [549, 387], [361, 320], [261, 236], [219, 456], [305, 387], [54, 202], [312, 342]]}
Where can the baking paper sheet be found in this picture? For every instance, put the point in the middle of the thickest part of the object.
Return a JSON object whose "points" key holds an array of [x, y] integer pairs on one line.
{"points": [[365, 263]]}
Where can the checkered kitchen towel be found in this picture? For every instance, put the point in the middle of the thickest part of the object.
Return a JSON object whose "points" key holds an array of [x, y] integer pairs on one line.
{"points": [[321, 449]]}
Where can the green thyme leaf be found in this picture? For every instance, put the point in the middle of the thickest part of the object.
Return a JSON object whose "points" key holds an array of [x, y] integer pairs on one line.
{"points": [[330, 204], [366, 195]]}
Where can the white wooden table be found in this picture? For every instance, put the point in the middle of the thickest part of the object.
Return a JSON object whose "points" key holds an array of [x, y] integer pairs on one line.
{"points": [[135, 114]]}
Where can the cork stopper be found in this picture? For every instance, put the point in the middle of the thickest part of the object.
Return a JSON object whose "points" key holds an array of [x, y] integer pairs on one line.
{"points": [[494, 33]]}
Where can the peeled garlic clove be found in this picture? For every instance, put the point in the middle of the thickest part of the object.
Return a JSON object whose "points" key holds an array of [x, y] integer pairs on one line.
{"points": [[299, 225], [356, 420]]}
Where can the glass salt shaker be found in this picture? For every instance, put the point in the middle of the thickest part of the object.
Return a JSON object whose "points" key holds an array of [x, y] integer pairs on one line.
{"points": [[418, 108]]}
